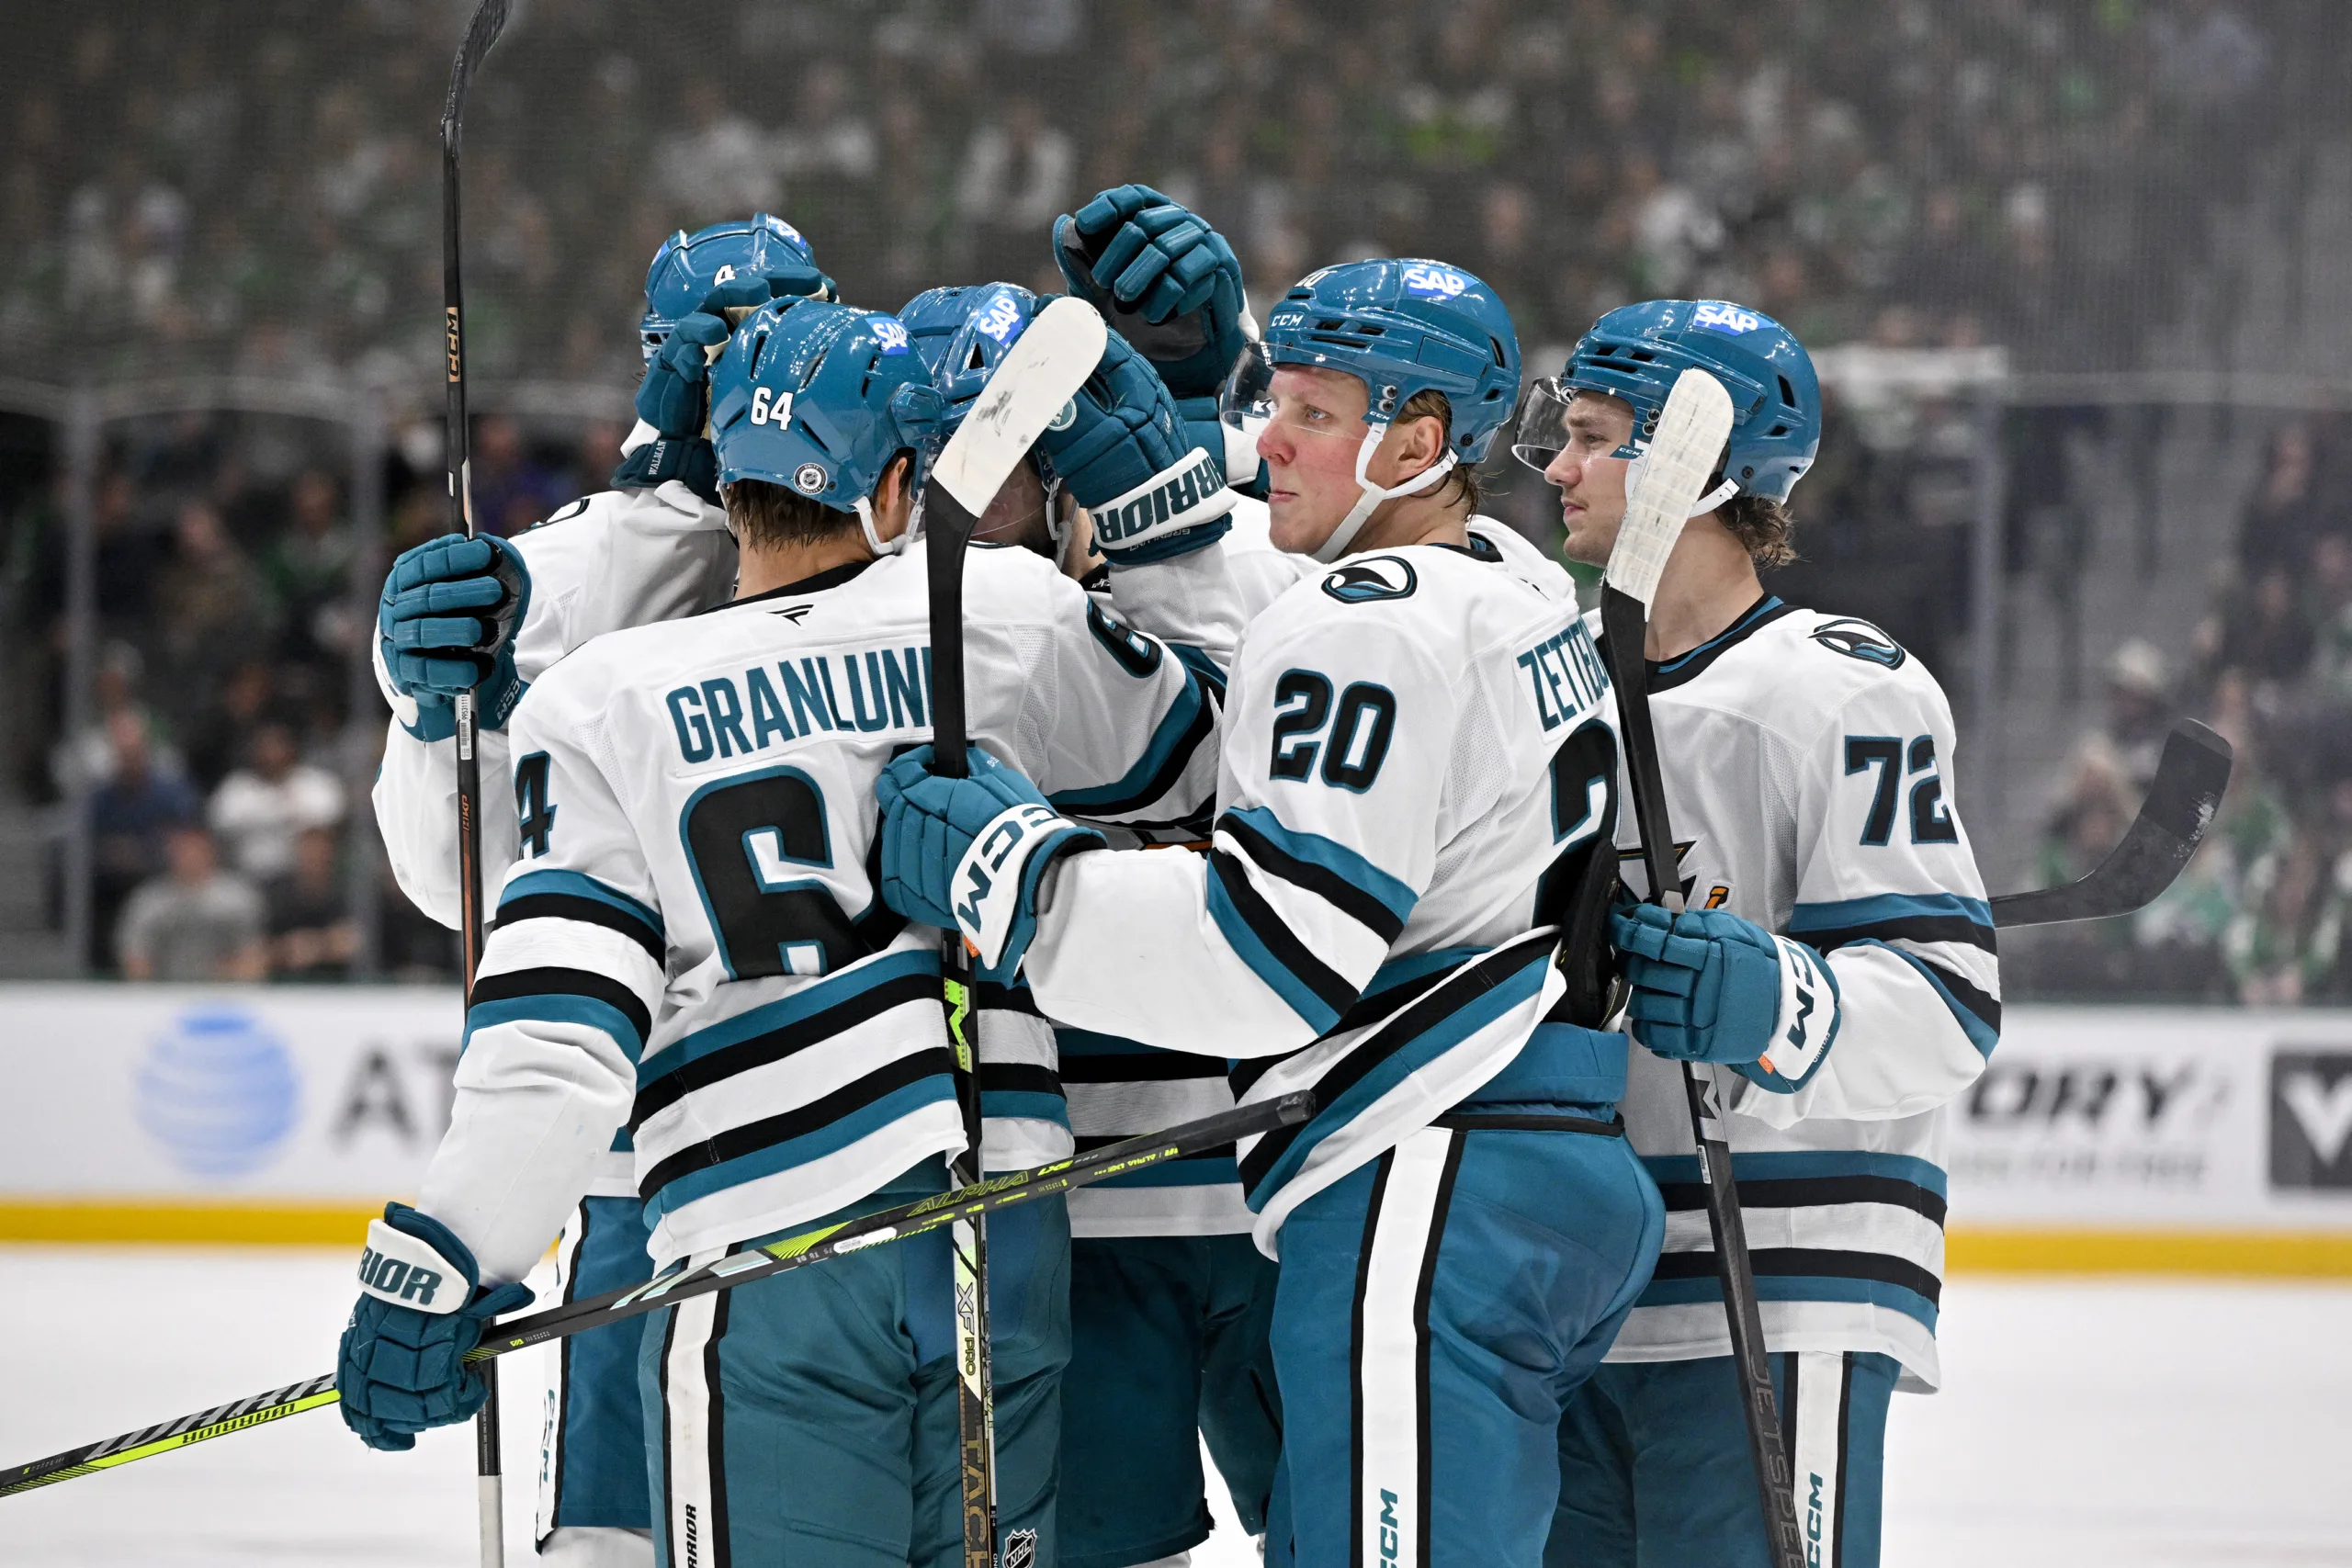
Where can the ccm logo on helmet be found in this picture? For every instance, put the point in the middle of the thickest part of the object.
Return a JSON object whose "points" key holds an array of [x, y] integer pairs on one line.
{"points": [[1715, 316], [891, 334], [1434, 282], [770, 406]]}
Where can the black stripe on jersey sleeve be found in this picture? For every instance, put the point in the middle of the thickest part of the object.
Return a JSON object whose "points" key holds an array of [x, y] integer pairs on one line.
{"points": [[1320, 880], [667, 1089], [1818, 1262], [1142, 1067], [817, 1114], [1805, 1192], [1005, 999], [1170, 770], [1328, 985], [1025, 1076], [587, 911], [1463, 987], [1908, 927], [511, 984], [1987, 1008]]}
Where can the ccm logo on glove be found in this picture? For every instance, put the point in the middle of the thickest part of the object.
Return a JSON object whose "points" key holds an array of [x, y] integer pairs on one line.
{"points": [[988, 921]]}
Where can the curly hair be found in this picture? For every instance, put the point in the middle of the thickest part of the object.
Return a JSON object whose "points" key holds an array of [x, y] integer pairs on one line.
{"points": [[1764, 526]]}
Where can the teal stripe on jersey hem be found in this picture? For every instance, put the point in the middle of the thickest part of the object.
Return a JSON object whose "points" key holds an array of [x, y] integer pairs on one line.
{"points": [[938, 1088], [1296, 993], [555, 1007], [1796, 1287], [810, 1000], [1847, 913], [573, 884], [1982, 1035], [1507, 993], [1222, 1172], [1801, 1165], [1395, 895], [1028, 1105], [1121, 792]]}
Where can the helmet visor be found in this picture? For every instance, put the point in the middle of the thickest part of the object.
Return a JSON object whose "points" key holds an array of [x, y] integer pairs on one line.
{"points": [[1541, 430], [1260, 396]]}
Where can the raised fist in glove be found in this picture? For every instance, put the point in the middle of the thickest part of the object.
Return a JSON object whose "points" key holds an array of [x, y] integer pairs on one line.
{"points": [[969, 853], [402, 1368], [1162, 277], [1710, 986], [675, 397], [1131, 461], [445, 624]]}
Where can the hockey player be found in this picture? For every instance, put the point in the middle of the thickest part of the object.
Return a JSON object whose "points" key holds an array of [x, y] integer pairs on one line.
{"points": [[1808, 764], [1413, 739], [692, 946], [490, 615]]}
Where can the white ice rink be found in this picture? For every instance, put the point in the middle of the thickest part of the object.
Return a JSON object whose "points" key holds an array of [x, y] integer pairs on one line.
{"points": [[2084, 1424]]}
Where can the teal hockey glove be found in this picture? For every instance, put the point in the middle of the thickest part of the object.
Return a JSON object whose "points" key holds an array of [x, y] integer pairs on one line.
{"points": [[1164, 277], [445, 624], [1710, 986], [676, 388], [401, 1366], [1128, 457], [969, 853]]}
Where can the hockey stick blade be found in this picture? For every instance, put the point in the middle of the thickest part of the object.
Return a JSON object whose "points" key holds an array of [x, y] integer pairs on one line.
{"points": [[738, 1268], [1675, 465], [1043, 369], [2182, 799], [489, 21]]}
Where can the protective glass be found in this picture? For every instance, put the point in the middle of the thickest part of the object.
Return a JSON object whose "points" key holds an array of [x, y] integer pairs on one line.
{"points": [[1541, 429], [1248, 404]]}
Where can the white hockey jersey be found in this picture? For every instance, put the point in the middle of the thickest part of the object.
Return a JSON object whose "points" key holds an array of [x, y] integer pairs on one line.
{"points": [[691, 944], [621, 558], [1363, 923], [1119, 1087], [1808, 766]]}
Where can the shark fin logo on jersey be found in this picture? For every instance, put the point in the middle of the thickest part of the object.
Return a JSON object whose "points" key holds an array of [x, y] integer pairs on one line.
{"points": [[1432, 282], [890, 334], [1363, 582], [1717, 316], [1859, 639]]}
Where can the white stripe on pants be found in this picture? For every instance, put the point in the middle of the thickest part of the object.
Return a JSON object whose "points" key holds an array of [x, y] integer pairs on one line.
{"points": [[694, 1498], [1818, 1389], [1391, 1333]]}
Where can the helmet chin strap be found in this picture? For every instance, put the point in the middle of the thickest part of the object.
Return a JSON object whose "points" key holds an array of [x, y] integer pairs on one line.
{"points": [[1344, 535], [874, 540]]}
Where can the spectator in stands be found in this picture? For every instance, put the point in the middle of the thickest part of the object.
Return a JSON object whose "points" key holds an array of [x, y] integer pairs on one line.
{"points": [[308, 568], [210, 602], [2283, 946], [130, 816], [312, 936], [2265, 631], [511, 489], [219, 730], [2285, 508], [1016, 177], [87, 760], [197, 923], [260, 809]]}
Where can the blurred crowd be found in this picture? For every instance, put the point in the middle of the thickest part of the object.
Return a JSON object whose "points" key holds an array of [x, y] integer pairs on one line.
{"points": [[2263, 914], [254, 188], [256, 185]]}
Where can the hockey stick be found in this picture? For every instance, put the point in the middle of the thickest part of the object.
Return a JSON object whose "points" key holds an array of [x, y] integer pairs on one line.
{"points": [[1038, 374], [966, 1204], [489, 21], [2182, 799], [1692, 432]]}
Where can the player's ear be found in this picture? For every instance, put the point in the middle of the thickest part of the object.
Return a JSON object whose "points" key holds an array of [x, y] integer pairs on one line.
{"points": [[894, 497]]}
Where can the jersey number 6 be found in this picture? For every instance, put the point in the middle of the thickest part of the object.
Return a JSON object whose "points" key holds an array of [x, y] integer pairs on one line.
{"points": [[752, 841]]}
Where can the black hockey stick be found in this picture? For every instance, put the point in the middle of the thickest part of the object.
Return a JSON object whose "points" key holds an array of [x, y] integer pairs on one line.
{"points": [[1691, 431], [1193, 1138], [2182, 799], [1043, 370], [489, 21]]}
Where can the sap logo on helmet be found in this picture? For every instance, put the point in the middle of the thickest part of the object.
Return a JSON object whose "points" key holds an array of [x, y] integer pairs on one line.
{"points": [[890, 333], [770, 406], [1859, 639], [1001, 321], [809, 478], [1363, 582], [1433, 282], [778, 226], [1718, 317]]}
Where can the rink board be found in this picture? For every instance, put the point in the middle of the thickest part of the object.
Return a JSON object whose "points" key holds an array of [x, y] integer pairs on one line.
{"points": [[2099, 1139]]}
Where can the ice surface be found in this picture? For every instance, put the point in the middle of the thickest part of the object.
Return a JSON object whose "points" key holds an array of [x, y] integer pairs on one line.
{"points": [[2084, 1424]]}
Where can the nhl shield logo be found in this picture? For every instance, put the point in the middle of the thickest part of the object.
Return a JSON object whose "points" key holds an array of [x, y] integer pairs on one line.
{"points": [[1374, 578], [810, 477], [1859, 639]]}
